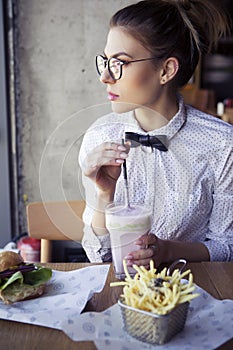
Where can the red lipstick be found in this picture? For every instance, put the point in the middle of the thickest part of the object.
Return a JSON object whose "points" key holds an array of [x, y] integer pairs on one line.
{"points": [[112, 97]]}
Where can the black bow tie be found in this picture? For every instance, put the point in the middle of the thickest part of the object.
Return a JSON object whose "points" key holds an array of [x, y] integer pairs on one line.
{"points": [[157, 142]]}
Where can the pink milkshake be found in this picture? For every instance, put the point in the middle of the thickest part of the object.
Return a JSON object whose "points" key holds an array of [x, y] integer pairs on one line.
{"points": [[126, 225]]}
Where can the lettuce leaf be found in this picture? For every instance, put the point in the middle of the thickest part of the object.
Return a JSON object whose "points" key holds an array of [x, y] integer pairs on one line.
{"points": [[18, 276], [37, 277], [33, 278]]}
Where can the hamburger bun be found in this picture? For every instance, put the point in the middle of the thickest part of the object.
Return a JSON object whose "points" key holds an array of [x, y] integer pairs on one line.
{"points": [[25, 292], [9, 259]]}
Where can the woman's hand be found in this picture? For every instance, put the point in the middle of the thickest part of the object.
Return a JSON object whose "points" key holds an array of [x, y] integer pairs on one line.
{"points": [[151, 248], [103, 165], [165, 251]]}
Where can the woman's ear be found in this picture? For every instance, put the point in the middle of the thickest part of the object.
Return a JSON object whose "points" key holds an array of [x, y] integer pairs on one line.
{"points": [[169, 70]]}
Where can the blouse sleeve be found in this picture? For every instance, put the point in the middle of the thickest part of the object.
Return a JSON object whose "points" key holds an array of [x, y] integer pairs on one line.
{"points": [[220, 236], [97, 248]]}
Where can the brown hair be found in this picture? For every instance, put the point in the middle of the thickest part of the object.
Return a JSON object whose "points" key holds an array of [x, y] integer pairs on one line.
{"points": [[180, 28]]}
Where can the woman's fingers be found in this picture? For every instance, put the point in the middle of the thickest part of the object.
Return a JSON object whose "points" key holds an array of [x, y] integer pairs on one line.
{"points": [[146, 240], [140, 257], [149, 244], [108, 153]]}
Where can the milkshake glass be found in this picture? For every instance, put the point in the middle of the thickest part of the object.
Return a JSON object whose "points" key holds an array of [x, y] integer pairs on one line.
{"points": [[125, 225]]}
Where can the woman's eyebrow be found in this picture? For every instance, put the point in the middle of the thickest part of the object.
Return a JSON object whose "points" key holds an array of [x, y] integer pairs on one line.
{"points": [[119, 54]]}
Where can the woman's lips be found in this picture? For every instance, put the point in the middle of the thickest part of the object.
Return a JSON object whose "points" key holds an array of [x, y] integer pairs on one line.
{"points": [[112, 97]]}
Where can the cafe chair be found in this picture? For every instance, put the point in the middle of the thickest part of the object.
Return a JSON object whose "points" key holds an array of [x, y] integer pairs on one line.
{"points": [[49, 221]]}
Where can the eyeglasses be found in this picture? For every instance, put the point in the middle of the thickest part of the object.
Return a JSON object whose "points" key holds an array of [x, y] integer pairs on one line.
{"points": [[114, 65]]}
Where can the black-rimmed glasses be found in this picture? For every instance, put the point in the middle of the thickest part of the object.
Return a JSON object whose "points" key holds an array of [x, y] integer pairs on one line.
{"points": [[114, 65]]}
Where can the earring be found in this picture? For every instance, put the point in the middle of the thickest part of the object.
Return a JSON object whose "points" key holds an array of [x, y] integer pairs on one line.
{"points": [[163, 81], [177, 66]]}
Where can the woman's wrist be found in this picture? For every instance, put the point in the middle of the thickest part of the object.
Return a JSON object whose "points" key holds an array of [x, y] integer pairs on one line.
{"points": [[98, 220], [191, 251], [103, 199]]}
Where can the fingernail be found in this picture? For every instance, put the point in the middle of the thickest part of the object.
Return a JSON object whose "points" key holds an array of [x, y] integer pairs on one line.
{"points": [[123, 155], [138, 242], [121, 148], [128, 257], [120, 161]]}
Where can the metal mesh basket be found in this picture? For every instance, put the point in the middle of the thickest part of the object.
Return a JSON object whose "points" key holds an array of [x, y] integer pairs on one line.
{"points": [[152, 328]]}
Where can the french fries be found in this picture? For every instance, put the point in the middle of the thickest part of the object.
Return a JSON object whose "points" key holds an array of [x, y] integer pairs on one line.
{"points": [[156, 292]]}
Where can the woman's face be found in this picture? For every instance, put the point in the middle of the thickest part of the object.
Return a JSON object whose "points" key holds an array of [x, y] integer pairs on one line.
{"points": [[139, 84]]}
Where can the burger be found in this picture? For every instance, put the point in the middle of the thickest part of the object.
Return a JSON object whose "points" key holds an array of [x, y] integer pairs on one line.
{"points": [[20, 280]]}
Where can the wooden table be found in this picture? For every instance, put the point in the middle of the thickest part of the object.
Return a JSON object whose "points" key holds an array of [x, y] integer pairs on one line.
{"points": [[216, 278]]}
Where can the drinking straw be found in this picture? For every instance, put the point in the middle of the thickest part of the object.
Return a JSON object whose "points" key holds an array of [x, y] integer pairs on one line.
{"points": [[126, 187]]}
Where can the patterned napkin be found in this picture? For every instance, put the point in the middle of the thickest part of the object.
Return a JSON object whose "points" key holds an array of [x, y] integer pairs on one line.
{"points": [[65, 297], [209, 324]]}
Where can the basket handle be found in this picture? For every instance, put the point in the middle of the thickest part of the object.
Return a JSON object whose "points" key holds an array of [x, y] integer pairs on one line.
{"points": [[173, 265]]}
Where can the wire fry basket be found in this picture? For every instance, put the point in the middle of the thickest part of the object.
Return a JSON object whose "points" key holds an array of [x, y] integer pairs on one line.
{"points": [[152, 328]]}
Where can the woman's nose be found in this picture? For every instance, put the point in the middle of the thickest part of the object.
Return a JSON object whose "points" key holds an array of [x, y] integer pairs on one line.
{"points": [[106, 78]]}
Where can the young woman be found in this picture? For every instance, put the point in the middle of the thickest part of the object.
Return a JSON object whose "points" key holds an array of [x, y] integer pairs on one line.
{"points": [[152, 50]]}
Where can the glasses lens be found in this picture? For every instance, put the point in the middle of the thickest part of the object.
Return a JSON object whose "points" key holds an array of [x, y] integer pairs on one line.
{"points": [[115, 67], [100, 64]]}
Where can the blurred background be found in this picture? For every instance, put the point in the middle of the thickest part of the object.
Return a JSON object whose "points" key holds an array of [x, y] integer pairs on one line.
{"points": [[49, 88]]}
